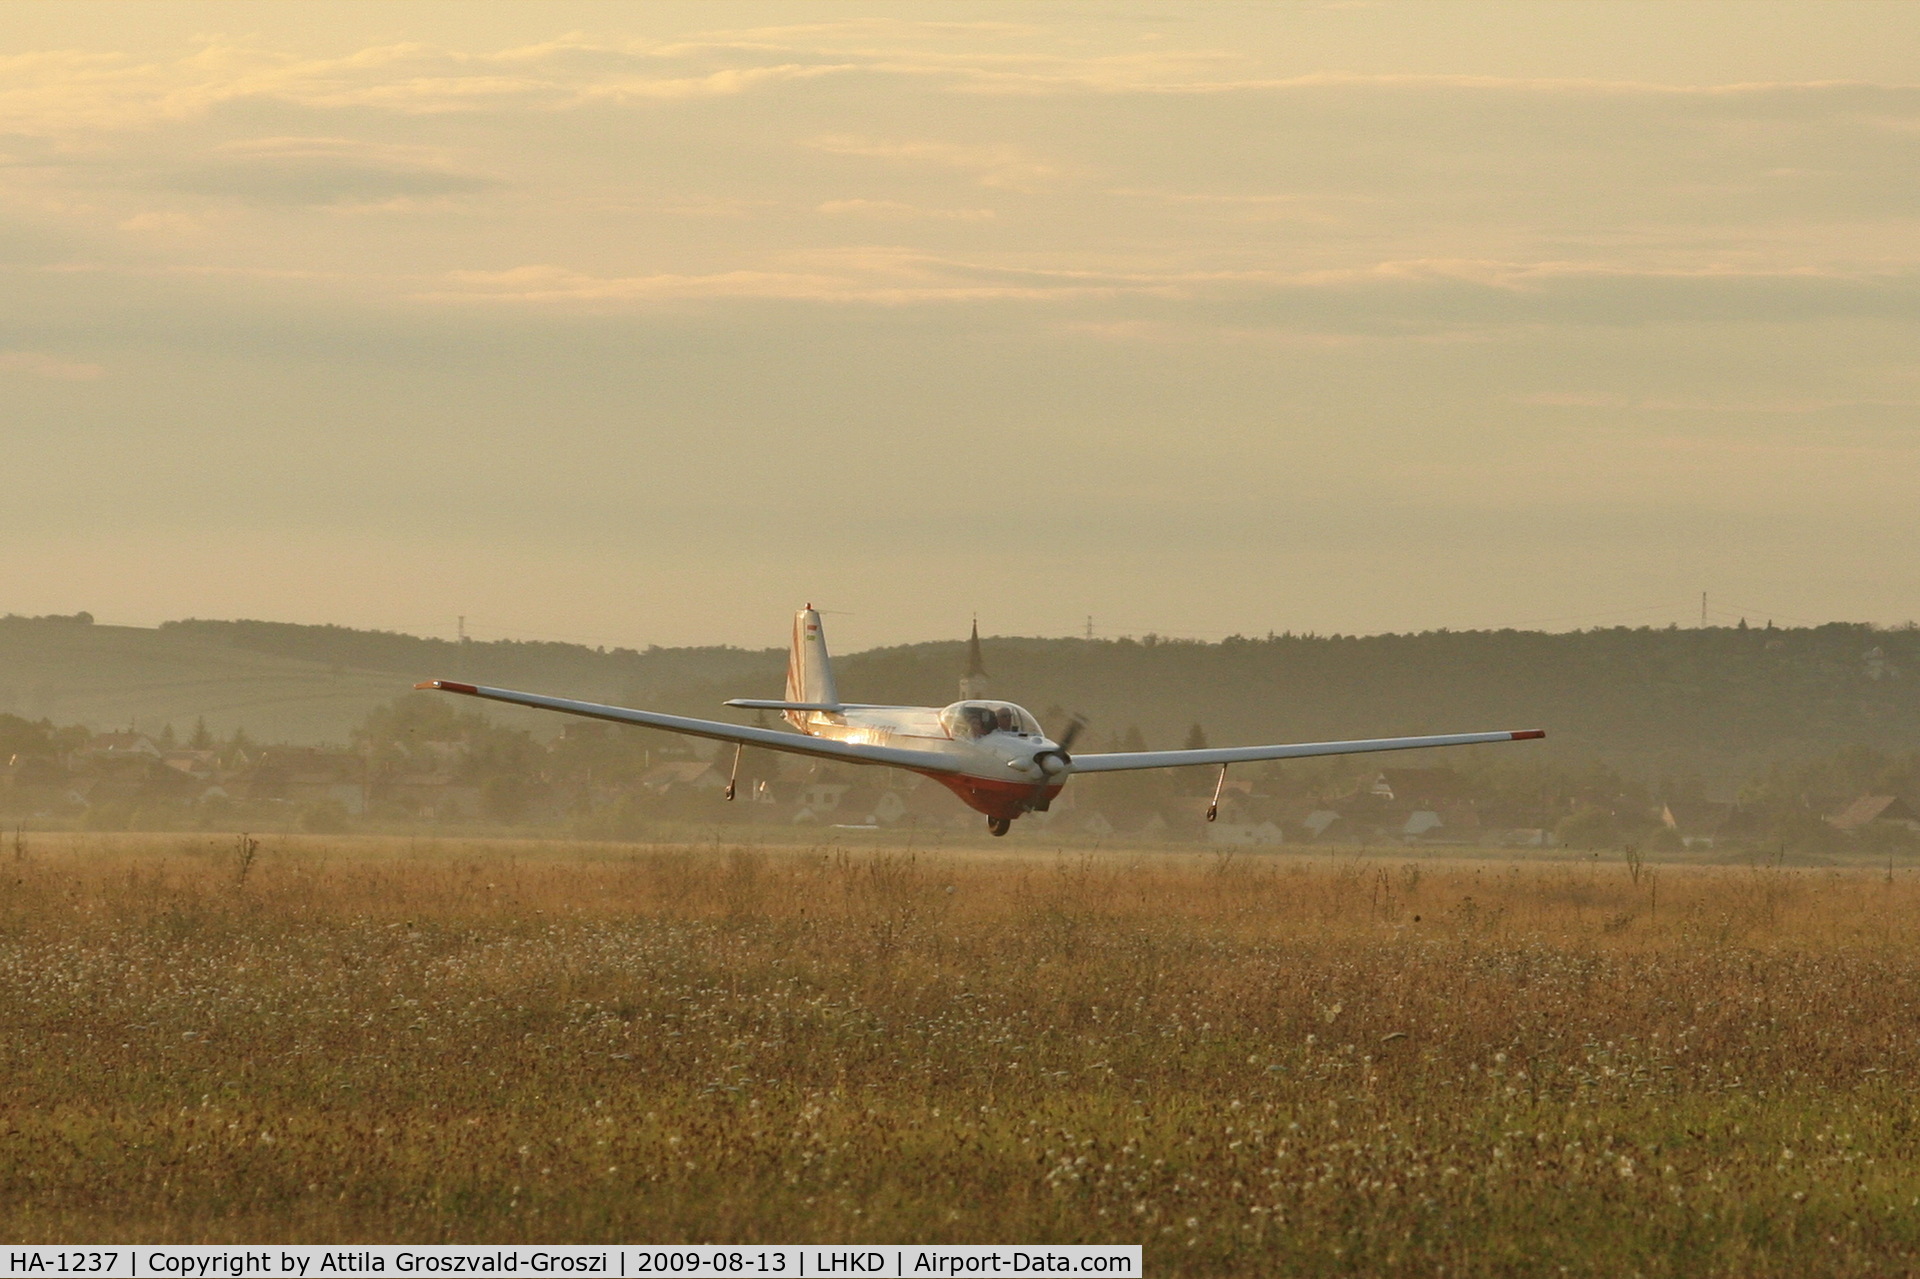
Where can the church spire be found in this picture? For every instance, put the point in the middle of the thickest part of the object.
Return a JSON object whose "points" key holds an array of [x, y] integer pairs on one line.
{"points": [[973, 684]]}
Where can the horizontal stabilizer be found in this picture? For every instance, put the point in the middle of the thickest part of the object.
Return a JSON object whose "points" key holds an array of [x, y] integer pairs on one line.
{"points": [[760, 704]]}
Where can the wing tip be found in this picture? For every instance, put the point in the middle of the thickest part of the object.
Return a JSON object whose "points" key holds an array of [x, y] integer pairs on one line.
{"points": [[1528, 734], [447, 685]]}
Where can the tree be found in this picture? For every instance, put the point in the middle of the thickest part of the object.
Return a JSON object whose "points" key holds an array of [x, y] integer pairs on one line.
{"points": [[1196, 781], [504, 797], [1131, 792], [24, 737], [431, 734], [239, 749], [202, 739], [1588, 828]]}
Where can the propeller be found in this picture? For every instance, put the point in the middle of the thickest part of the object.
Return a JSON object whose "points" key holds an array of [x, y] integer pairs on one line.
{"points": [[1074, 726], [1053, 764]]}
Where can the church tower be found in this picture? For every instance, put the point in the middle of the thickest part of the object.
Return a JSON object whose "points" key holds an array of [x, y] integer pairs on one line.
{"points": [[974, 683]]}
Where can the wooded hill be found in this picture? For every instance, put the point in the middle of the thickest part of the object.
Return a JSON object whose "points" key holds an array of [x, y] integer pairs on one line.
{"points": [[1715, 703]]}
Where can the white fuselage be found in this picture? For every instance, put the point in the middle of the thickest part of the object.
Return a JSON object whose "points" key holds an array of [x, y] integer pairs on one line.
{"points": [[1001, 771]]}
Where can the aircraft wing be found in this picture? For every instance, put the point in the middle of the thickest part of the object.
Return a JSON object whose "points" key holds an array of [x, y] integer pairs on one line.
{"points": [[1120, 763], [769, 738]]}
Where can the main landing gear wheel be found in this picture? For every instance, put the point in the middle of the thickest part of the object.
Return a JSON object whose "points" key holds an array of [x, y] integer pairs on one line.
{"points": [[999, 825]]}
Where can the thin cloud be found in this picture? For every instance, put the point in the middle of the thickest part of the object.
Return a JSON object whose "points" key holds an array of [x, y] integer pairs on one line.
{"points": [[887, 277], [53, 92], [543, 283], [714, 84], [1796, 406], [56, 92], [1461, 299], [323, 171], [898, 211], [168, 221], [40, 364], [991, 165]]}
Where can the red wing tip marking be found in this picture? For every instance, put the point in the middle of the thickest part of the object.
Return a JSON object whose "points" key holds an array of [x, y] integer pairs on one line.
{"points": [[1527, 733], [448, 686]]}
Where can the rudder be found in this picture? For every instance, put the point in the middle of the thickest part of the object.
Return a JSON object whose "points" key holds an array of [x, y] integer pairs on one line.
{"points": [[809, 674]]}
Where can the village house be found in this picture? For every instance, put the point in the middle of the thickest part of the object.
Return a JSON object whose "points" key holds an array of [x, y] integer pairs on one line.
{"points": [[1244, 834], [818, 800], [38, 783], [118, 746], [1094, 823], [683, 775], [1875, 811], [309, 775], [1318, 822], [202, 766], [931, 804], [1427, 788], [870, 806], [1698, 822], [1453, 822], [434, 795], [125, 768]]}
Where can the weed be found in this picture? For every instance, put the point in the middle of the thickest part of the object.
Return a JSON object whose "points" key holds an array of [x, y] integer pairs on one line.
{"points": [[245, 849], [1269, 1066]]}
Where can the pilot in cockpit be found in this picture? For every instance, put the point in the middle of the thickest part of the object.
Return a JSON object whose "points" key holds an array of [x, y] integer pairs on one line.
{"points": [[981, 720], [1003, 719]]}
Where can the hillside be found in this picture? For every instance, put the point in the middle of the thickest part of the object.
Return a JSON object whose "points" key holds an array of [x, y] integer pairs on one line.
{"points": [[111, 677], [1711, 702], [1715, 703], [305, 684]]}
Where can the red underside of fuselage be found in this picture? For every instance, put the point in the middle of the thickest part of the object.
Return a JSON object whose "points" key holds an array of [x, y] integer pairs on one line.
{"points": [[1006, 800]]}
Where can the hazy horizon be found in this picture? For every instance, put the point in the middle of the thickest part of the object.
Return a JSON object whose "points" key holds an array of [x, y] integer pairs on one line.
{"points": [[1719, 619], [634, 326]]}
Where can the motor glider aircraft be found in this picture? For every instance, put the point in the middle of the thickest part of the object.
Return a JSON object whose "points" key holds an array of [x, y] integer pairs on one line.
{"points": [[992, 754]]}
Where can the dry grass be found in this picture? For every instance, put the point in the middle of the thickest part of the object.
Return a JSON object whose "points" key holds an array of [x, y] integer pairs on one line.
{"points": [[1367, 1065]]}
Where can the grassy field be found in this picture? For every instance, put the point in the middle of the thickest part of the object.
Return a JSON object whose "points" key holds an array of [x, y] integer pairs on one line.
{"points": [[1367, 1064]]}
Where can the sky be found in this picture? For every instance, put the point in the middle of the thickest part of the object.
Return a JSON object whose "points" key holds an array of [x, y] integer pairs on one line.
{"points": [[646, 324]]}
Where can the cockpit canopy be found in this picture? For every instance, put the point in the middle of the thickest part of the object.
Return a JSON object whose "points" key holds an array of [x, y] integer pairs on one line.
{"points": [[965, 721]]}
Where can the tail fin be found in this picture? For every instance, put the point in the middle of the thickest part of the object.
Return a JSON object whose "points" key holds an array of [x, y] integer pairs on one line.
{"points": [[809, 676]]}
